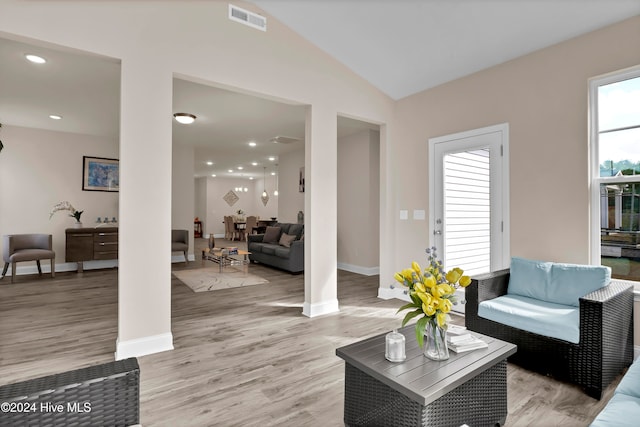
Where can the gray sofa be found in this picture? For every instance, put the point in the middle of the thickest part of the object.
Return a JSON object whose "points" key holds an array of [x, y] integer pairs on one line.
{"points": [[275, 249]]}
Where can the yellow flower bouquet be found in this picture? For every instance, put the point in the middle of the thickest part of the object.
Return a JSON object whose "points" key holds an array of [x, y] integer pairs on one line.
{"points": [[432, 293]]}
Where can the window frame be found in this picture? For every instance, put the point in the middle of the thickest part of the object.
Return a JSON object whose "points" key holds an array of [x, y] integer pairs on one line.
{"points": [[595, 180]]}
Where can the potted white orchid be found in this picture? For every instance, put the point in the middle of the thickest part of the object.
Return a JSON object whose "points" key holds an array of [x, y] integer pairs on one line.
{"points": [[66, 206]]}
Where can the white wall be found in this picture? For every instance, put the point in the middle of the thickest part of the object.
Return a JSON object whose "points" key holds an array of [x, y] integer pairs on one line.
{"points": [[358, 202], [40, 168], [183, 193], [211, 207], [291, 200]]}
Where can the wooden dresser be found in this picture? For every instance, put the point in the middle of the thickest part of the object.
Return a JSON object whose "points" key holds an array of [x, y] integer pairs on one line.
{"points": [[91, 244]]}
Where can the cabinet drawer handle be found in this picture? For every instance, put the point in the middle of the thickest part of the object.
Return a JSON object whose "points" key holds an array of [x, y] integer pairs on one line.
{"points": [[80, 235]]}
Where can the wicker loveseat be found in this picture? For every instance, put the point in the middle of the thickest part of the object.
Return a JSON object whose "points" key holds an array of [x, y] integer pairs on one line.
{"points": [[101, 395], [604, 344]]}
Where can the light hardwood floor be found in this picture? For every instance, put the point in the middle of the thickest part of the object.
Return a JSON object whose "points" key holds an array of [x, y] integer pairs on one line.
{"points": [[243, 357]]}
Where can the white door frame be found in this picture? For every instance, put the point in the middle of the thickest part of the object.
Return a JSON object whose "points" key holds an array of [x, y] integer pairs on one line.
{"points": [[503, 129]]}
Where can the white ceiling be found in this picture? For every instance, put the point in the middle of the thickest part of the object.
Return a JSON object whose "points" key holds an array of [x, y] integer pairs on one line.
{"points": [[400, 46], [406, 46]]}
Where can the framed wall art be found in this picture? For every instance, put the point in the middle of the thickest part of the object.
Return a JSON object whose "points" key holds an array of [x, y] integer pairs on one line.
{"points": [[100, 174]]}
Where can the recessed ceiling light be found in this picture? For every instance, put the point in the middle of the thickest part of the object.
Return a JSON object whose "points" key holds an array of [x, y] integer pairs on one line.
{"points": [[185, 118], [250, 178], [213, 175], [254, 163], [230, 170], [240, 168], [209, 163], [271, 159], [252, 144], [273, 174], [55, 117], [35, 58]]}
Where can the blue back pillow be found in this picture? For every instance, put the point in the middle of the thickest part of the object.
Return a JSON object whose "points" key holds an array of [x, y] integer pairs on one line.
{"points": [[529, 278], [554, 282]]}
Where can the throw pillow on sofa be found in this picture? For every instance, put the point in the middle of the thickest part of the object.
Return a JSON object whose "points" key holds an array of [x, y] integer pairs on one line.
{"points": [[286, 240], [271, 235]]}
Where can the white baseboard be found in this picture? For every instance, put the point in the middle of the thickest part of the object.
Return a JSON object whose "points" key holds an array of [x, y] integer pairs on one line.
{"points": [[365, 271], [67, 266], [396, 292], [180, 258], [320, 309], [143, 346]]}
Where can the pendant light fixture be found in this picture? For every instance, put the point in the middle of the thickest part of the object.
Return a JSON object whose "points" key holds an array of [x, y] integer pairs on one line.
{"points": [[275, 193], [265, 195]]}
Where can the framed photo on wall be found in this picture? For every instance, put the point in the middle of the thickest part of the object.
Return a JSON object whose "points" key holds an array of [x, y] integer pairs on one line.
{"points": [[100, 174], [301, 180]]}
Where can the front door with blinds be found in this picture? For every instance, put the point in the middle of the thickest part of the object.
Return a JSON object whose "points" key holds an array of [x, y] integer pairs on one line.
{"points": [[468, 218]]}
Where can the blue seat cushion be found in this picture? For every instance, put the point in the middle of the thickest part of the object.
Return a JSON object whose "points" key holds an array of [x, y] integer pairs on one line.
{"points": [[621, 411], [630, 383], [539, 317]]}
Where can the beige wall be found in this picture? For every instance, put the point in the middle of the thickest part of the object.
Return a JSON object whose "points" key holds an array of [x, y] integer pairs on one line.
{"points": [[543, 97], [358, 202], [39, 169]]}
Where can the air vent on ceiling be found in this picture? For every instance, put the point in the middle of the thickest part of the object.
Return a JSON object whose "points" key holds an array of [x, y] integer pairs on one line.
{"points": [[283, 140], [248, 18]]}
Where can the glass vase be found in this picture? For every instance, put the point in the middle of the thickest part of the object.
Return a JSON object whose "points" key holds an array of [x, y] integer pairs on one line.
{"points": [[435, 341]]}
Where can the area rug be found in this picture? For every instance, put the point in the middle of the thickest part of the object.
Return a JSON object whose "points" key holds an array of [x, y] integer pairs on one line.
{"points": [[203, 279]]}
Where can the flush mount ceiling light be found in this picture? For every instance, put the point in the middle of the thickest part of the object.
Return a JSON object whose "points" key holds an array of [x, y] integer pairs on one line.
{"points": [[184, 118], [252, 144], [35, 58], [55, 117]]}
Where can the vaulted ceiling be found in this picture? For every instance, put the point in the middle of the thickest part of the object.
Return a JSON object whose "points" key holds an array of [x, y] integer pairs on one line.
{"points": [[399, 46]]}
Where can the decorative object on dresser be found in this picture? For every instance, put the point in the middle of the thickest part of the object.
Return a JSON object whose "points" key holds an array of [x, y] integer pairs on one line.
{"points": [[91, 244], [27, 247], [66, 206]]}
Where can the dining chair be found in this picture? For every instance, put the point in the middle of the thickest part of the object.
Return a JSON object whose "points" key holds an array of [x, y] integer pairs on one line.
{"points": [[230, 228], [251, 226]]}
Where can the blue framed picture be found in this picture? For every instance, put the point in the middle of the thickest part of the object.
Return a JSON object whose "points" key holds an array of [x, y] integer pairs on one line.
{"points": [[100, 174]]}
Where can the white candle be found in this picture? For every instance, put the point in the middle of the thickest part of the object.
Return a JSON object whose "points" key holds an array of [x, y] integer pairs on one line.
{"points": [[395, 347]]}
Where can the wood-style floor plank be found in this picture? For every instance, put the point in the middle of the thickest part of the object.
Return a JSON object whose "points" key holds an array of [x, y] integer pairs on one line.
{"points": [[243, 356]]}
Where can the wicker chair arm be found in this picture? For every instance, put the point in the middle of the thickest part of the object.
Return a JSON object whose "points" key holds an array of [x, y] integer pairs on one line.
{"points": [[606, 293], [484, 287]]}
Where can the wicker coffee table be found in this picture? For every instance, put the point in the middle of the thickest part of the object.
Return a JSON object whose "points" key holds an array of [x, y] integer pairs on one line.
{"points": [[468, 388]]}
